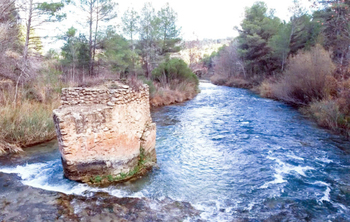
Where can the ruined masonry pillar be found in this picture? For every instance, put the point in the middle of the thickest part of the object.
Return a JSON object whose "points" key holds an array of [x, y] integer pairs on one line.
{"points": [[104, 133]]}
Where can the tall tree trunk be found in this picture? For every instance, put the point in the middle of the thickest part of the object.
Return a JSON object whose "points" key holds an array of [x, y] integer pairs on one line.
{"points": [[95, 39], [283, 61], [26, 44], [133, 58], [292, 30], [25, 50], [90, 40]]}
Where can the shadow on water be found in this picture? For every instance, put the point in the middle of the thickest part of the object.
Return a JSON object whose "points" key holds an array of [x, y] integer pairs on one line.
{"points": [[231, 154]]}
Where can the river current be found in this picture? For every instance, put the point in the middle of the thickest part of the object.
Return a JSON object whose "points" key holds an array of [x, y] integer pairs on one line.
{"points": [[231, 154]]}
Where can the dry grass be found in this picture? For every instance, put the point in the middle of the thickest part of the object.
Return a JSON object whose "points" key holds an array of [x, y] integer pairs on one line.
{"points": [[325, 112], [218, 79], [29, 120], [265, 89], [6, 148], [234, 81], [239, 82], [28, 123], [306, 78], [173, 93]]}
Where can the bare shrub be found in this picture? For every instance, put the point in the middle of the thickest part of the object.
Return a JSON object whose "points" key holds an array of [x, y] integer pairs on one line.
{"points": [[265, 89], [331, 87], [305, 77], [218, 79], [173, 93], [29, 121], [326, 113], [134, 83], [227, 64], [6, 148], [27, 124], [344, 97], [239, 82]]}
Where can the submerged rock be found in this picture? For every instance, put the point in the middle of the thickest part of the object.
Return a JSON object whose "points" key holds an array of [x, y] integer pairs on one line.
{"points": [[105, 135], [21, 203], [103, 207]]}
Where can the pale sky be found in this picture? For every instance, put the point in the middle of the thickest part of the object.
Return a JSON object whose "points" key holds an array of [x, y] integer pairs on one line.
{"points": [[198, 18], [210, 19]]}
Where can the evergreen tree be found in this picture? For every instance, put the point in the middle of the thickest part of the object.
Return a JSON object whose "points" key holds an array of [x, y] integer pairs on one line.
{"points": [[280, 43], [149, 43], [335, 21], [305, 33], [117, 53], [257, 28], [169, 31]]}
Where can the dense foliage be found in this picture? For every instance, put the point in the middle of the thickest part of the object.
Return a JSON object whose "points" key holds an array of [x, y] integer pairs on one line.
{"points": [[149, 39], [174, 69]]}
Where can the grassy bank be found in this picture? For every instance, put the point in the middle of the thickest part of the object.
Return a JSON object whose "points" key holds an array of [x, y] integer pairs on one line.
{"points": [[167, 95], [28, 123], [26, 119], [310, 83]]}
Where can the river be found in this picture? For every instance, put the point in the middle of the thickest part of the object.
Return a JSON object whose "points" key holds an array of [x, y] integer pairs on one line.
{"points": [[229, 153]]}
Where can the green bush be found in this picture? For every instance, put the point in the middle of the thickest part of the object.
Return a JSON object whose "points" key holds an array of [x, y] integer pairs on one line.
{"points": [[174, 69]]}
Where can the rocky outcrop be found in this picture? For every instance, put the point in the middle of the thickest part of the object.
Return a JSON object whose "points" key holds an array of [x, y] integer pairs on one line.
{"points": [[105, 133]]}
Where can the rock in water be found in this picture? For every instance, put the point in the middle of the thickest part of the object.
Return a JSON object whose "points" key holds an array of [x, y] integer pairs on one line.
{"points": [[104, 134]]}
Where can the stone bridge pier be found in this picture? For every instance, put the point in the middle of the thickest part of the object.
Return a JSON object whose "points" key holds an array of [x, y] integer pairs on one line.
{"points": [[105, 133]]}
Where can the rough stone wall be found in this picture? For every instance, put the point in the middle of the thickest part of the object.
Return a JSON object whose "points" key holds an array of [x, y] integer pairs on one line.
{"points": [[90, 96], [101, 131]]}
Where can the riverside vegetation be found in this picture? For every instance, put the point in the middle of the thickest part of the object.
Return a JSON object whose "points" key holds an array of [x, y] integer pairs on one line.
{"points": [[303, 62], [30, 82]]}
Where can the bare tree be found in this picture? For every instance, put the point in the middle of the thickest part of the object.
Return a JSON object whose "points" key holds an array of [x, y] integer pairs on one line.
{"points": [[35, 13], [227, 63], [194, 52], [7, 21], [8, 29]]}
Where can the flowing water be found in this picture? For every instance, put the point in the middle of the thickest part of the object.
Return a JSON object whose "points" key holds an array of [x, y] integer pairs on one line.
{"points": [[232, 155]]}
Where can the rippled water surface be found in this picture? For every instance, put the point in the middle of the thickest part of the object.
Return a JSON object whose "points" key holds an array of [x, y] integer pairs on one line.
{"points": [[232, 155]]}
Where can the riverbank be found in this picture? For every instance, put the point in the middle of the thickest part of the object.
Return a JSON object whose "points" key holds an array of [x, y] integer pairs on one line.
{"points": [[29, 121], [313, 81], [165, 96], [220, 152], [331, 112]]}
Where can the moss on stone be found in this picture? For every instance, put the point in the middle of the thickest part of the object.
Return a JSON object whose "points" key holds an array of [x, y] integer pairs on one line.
{"points": [[140, 169]]}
